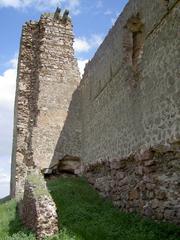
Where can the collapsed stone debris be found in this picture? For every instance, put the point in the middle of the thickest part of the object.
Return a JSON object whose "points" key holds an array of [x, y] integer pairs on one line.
{"points": [[37, 208], [146, 182]]}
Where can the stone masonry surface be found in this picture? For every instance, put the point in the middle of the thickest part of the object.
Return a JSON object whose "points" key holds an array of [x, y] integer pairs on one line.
{"points": [[47, 76], [126, 106], [144, 182], [130, 103], [123, 112], [37, 209]]}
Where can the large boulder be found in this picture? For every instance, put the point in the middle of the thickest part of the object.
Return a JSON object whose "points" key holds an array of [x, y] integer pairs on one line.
{"points": [[69, 164]]}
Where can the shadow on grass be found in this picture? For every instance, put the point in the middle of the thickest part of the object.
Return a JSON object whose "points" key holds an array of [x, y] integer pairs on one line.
{"points": [[89, 217], [11, 227], [15, 225]]}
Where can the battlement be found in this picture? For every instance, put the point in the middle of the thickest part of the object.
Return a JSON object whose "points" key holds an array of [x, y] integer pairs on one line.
{"points": [[58, 16]]}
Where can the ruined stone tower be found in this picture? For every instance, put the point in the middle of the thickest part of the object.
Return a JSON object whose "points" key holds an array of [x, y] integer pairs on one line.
{"points": [[47, 76]]}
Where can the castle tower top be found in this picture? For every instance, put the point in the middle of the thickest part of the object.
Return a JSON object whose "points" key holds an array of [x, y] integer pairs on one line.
{"points": [[57, 16]]}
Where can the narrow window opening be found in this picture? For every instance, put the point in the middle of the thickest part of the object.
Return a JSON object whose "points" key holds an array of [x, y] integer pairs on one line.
{"points": [[137, 49], [136, 27]]}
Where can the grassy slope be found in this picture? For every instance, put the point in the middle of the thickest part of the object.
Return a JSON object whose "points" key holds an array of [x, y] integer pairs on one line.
{"points": [[83, 215], [10, 225]]}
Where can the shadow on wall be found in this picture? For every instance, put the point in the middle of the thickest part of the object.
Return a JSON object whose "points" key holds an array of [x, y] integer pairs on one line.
{"points": [[69, 142]]}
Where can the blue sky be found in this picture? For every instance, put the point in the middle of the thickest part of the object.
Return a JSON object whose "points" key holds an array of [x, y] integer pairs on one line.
{"points": [[92, 21]]}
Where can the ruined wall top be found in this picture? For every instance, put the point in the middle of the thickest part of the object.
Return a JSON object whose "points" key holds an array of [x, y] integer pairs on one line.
{"points": [[58, 17], [150, 14]]}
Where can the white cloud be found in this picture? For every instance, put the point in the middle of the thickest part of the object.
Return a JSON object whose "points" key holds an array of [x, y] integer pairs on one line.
{"points": [[4, 182], [72, 5], [14, 3], [81, 65], [4, 189], [4, 176], [82, 44], [14, 62], [7, 85], [96, 40], [7, 94], [6, 130]]}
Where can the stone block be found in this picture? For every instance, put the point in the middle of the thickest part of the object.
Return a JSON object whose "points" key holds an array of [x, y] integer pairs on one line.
{"points": [[144, 155], [161, 195], [117, 164], [149, 163], [120, 175], [133, 195], [69, 164], [139, 170], [169, 214], [155, 203], [148, 211]]}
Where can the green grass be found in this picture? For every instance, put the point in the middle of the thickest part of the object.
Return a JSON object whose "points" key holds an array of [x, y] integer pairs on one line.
{"points": [[83, 215], [37, 180], [10, 225]]}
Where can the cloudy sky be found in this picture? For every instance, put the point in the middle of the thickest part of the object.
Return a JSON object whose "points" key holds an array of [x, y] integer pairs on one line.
{"points": [[91, 18]]}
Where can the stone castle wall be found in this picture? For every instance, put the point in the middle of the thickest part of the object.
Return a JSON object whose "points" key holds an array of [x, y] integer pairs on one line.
{"points": [[47, 76], [131, 102], [131, 111]]}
